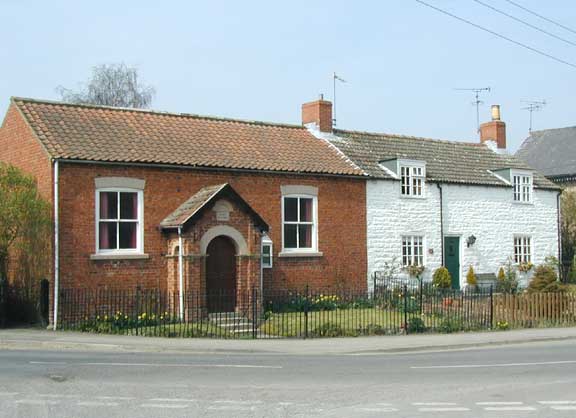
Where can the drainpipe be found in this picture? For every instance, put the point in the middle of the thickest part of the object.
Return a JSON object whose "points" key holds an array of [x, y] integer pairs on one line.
{"points": [[181, 273], [560, 261], [441, 224], [261, 265], [56, 249]]}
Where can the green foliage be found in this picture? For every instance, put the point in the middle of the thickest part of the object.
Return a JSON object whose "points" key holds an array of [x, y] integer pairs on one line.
{"points": [[416, 325], [507, 281], [568, 230], [329, 329], [442, 278], [471, 279], [25, 226], [502, 326], [415, 270], [545, 280], [450, 325]]}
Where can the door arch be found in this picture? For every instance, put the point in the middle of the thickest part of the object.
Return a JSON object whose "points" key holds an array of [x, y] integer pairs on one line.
{"points": [[221, 274]]}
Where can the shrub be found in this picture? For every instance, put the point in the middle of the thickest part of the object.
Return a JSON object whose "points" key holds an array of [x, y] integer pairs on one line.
{"points": [[374, 329], [329, 329], [416, 325], [471, 278], [442, 278], [545, 280], [450, 325], [506, 281], [502, 325]]}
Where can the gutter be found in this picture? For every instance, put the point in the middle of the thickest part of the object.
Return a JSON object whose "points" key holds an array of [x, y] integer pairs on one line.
{"points": [[181, 273], [441, 224], [56, 249]]}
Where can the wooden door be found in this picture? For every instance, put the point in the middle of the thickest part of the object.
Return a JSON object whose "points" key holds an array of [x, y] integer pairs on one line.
{"points": [[221, 275], [452, 256]]}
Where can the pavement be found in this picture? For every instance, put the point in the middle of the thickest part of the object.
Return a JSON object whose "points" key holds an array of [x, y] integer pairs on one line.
{"points": [[17, 339]]}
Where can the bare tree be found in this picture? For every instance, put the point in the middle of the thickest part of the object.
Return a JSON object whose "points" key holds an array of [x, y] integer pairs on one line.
{"points": [[111, 85]]}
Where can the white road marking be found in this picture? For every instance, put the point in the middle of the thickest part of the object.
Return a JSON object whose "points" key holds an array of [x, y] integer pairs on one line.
{"points": [[59, 363], [557, 402], [115, 398], [453, 409], [563, 408], [239, 402], [91, 403], [172, 400], [434, 403], [9, 393], [475, 366], [53, 395], [378, 409], [510, 408], [37, 402], [163, 405], [227, 366], [232, 408], [498, 403]]}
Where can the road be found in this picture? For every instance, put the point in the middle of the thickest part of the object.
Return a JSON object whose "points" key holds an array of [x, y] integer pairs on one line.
{"points": [[527, 380]]}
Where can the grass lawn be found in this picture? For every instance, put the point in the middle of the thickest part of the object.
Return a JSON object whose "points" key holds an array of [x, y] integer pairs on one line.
{"points": [[292, 324]]}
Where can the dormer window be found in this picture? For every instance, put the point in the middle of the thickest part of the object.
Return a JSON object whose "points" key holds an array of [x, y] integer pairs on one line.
{"points": [[522, 183], [412, 179]]}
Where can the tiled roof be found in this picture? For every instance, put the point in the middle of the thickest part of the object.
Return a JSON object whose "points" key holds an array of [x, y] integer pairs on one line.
{"points": [[552, 151], [446, 161], [191, 208], [98, 133]]}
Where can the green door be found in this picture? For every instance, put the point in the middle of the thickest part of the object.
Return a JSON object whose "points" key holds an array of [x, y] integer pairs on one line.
{"points": [[452, 256]]}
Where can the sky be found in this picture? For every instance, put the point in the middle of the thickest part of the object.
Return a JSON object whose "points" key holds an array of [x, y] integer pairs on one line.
{"points": [[261, 60]]}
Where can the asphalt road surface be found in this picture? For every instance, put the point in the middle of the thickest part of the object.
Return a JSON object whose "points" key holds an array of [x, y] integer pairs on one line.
{"points": [[528, 380]]}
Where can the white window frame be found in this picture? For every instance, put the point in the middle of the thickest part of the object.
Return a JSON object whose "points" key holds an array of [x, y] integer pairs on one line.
{"points": [[314, 223], [522, 186], [267, 242], [416, 172], [411, 238], [139, 230], [524, 256]]}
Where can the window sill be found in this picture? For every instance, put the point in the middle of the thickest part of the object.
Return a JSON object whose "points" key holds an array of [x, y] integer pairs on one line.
{"points": [[301, 254], [101, 257], [518, 202], [405, 196]]}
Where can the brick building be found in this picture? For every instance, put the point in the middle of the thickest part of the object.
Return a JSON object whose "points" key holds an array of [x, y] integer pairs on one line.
{"points": [[165, 200]]}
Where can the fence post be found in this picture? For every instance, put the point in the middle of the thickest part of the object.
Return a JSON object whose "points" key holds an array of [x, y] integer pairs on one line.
{"points": [[137, 308], [254, 295], [405, 308], [421, 297], [491, 307], [306, 312]]}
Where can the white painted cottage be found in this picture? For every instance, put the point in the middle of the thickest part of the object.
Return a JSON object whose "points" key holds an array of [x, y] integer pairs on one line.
{"points": [[433, 203]]}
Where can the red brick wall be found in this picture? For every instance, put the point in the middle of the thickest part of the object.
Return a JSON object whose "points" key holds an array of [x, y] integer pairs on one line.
{"points": [[20, 148], [341, 235]]}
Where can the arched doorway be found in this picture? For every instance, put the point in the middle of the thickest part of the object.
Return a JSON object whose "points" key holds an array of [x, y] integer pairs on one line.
{"points": [[221, 275]]}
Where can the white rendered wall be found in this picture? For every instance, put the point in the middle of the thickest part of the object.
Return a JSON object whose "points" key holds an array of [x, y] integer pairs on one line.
{"points": [[488, 213]]}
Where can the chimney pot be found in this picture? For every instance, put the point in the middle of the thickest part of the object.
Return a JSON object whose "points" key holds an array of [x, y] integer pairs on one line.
{"points": [[495, 112], [318, 114]]}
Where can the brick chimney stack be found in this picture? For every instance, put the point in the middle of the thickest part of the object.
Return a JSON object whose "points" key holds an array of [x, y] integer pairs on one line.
{"points": [[495, 130], [318, 114]]}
